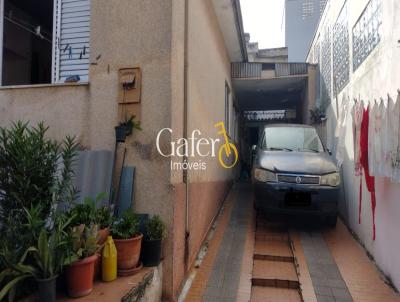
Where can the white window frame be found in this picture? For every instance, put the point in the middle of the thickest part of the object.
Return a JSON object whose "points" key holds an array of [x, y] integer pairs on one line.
{"points": [[55, 60], [55, 66]]}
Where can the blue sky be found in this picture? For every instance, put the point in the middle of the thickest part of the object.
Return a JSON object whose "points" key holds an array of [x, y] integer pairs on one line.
{"points": [[264, 20]]}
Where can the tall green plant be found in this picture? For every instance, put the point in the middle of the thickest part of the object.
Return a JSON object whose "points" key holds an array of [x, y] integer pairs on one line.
{"points": [[44, 259], [34, 169], [51, 253], [13, 253], [36, 176]]}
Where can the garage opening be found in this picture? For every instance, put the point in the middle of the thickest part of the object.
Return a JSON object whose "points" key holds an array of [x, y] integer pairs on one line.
{"points": [[27, 42]]}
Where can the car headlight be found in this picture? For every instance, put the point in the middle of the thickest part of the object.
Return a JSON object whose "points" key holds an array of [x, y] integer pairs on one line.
{"points": [[264, 175], [332, 179]]}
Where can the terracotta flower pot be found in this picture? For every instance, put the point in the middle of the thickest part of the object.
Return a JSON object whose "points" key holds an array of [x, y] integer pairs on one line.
{"points": [[79, 277], [128, 252]]}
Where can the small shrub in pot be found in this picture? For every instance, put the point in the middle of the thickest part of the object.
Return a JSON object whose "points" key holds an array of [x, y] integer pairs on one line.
{"points": [[89, 212], [80, 274], [128, 241], [45, 259], [155, 233]]}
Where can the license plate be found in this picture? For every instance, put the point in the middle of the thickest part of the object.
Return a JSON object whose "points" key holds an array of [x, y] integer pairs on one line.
{"points": [[296, 199]]}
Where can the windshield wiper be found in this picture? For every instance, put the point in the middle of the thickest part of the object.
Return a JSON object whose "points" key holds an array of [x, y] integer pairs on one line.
{"points": [[308, 149], [279, 149]]}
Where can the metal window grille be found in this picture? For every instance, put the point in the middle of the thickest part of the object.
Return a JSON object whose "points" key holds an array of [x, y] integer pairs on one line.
{"points": [[341, 64], [367, 32]]}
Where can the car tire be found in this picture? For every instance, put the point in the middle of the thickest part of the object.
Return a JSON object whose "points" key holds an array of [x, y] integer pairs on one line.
{"points": [[331, 221]]}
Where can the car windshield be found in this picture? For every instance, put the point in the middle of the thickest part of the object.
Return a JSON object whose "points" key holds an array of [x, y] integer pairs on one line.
{"points": [[291, 139]]}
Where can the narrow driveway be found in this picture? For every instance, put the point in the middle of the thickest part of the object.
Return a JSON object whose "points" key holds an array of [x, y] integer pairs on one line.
{"points": [[252, 258]]}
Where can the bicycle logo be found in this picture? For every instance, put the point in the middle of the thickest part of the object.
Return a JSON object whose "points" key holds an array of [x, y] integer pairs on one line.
{"points": [[227, 148]]}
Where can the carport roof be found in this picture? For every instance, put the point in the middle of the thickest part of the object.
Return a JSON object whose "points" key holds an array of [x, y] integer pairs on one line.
{"points": [[269, 94]]}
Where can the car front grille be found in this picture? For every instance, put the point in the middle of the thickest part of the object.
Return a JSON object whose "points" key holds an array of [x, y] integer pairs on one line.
{"points": [[299, 179]]}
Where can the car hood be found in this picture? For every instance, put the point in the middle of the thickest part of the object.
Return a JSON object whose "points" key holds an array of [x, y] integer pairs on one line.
{"points": [[296, 162]]}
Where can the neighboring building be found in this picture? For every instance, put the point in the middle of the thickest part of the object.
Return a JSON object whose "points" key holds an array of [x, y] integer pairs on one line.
{"points": [[45, 44], [357, 48], [268, 55], [301, 20]]}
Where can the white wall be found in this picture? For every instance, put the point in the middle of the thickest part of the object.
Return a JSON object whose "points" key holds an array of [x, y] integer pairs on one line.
{"points": [[375, 78]]}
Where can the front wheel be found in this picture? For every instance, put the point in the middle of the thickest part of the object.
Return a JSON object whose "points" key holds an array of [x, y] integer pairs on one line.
{"points": [[331, 221]]}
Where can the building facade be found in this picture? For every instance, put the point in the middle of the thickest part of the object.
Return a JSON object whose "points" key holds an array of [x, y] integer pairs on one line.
{"points": [[182, 53], [356, 46], [266, 55], [301, 20]]}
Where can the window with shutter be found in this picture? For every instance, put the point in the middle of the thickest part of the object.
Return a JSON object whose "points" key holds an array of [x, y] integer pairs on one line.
{"points": [[71, 40], [44, 41]]}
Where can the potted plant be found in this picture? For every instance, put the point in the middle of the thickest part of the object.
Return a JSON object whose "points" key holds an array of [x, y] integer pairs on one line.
{"points": [[36, 173], [126, 127], [155, 233], [50, 259], [80, 273], [83, 214], [45, 259], [128, 241], [88, 213]]}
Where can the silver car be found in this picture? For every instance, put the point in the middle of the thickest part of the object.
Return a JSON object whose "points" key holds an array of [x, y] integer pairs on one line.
{"points": [[294, 174]]}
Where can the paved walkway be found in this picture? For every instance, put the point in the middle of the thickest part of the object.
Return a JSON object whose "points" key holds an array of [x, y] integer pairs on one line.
{"points": [[280, 261], [224, 279], [326, 278]]}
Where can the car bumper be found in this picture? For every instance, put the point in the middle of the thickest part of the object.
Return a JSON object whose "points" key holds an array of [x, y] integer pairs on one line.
{"points": [[284, 198]]}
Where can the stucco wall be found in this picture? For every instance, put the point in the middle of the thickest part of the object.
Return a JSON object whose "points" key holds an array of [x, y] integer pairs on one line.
{"points": [[124, 33], [208, 70], [63, 108], [375, 78]]}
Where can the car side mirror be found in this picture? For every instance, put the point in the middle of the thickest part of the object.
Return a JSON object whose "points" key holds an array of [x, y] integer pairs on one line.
{"points": [[329, 151], [254, 148]]}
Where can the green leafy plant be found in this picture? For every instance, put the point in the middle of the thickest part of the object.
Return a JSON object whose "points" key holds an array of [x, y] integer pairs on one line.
{"points": [[88, 212], [48, 255], [125, 227], [15, 272], [51, 250], [17, 237], [103, 217], [84, 240], [34, 222], [34, 170], [155, 228], [36, 177], [129, 124]]}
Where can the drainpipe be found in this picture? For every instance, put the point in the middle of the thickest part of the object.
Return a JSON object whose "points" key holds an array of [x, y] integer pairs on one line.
{"points": [[185, 132]]}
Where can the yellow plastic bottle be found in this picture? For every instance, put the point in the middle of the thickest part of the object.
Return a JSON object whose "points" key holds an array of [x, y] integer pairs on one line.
{"points": [[109, 261]]}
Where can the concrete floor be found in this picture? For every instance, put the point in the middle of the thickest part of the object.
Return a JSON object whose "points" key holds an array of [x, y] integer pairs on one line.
{"points": [[252, 258]]}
